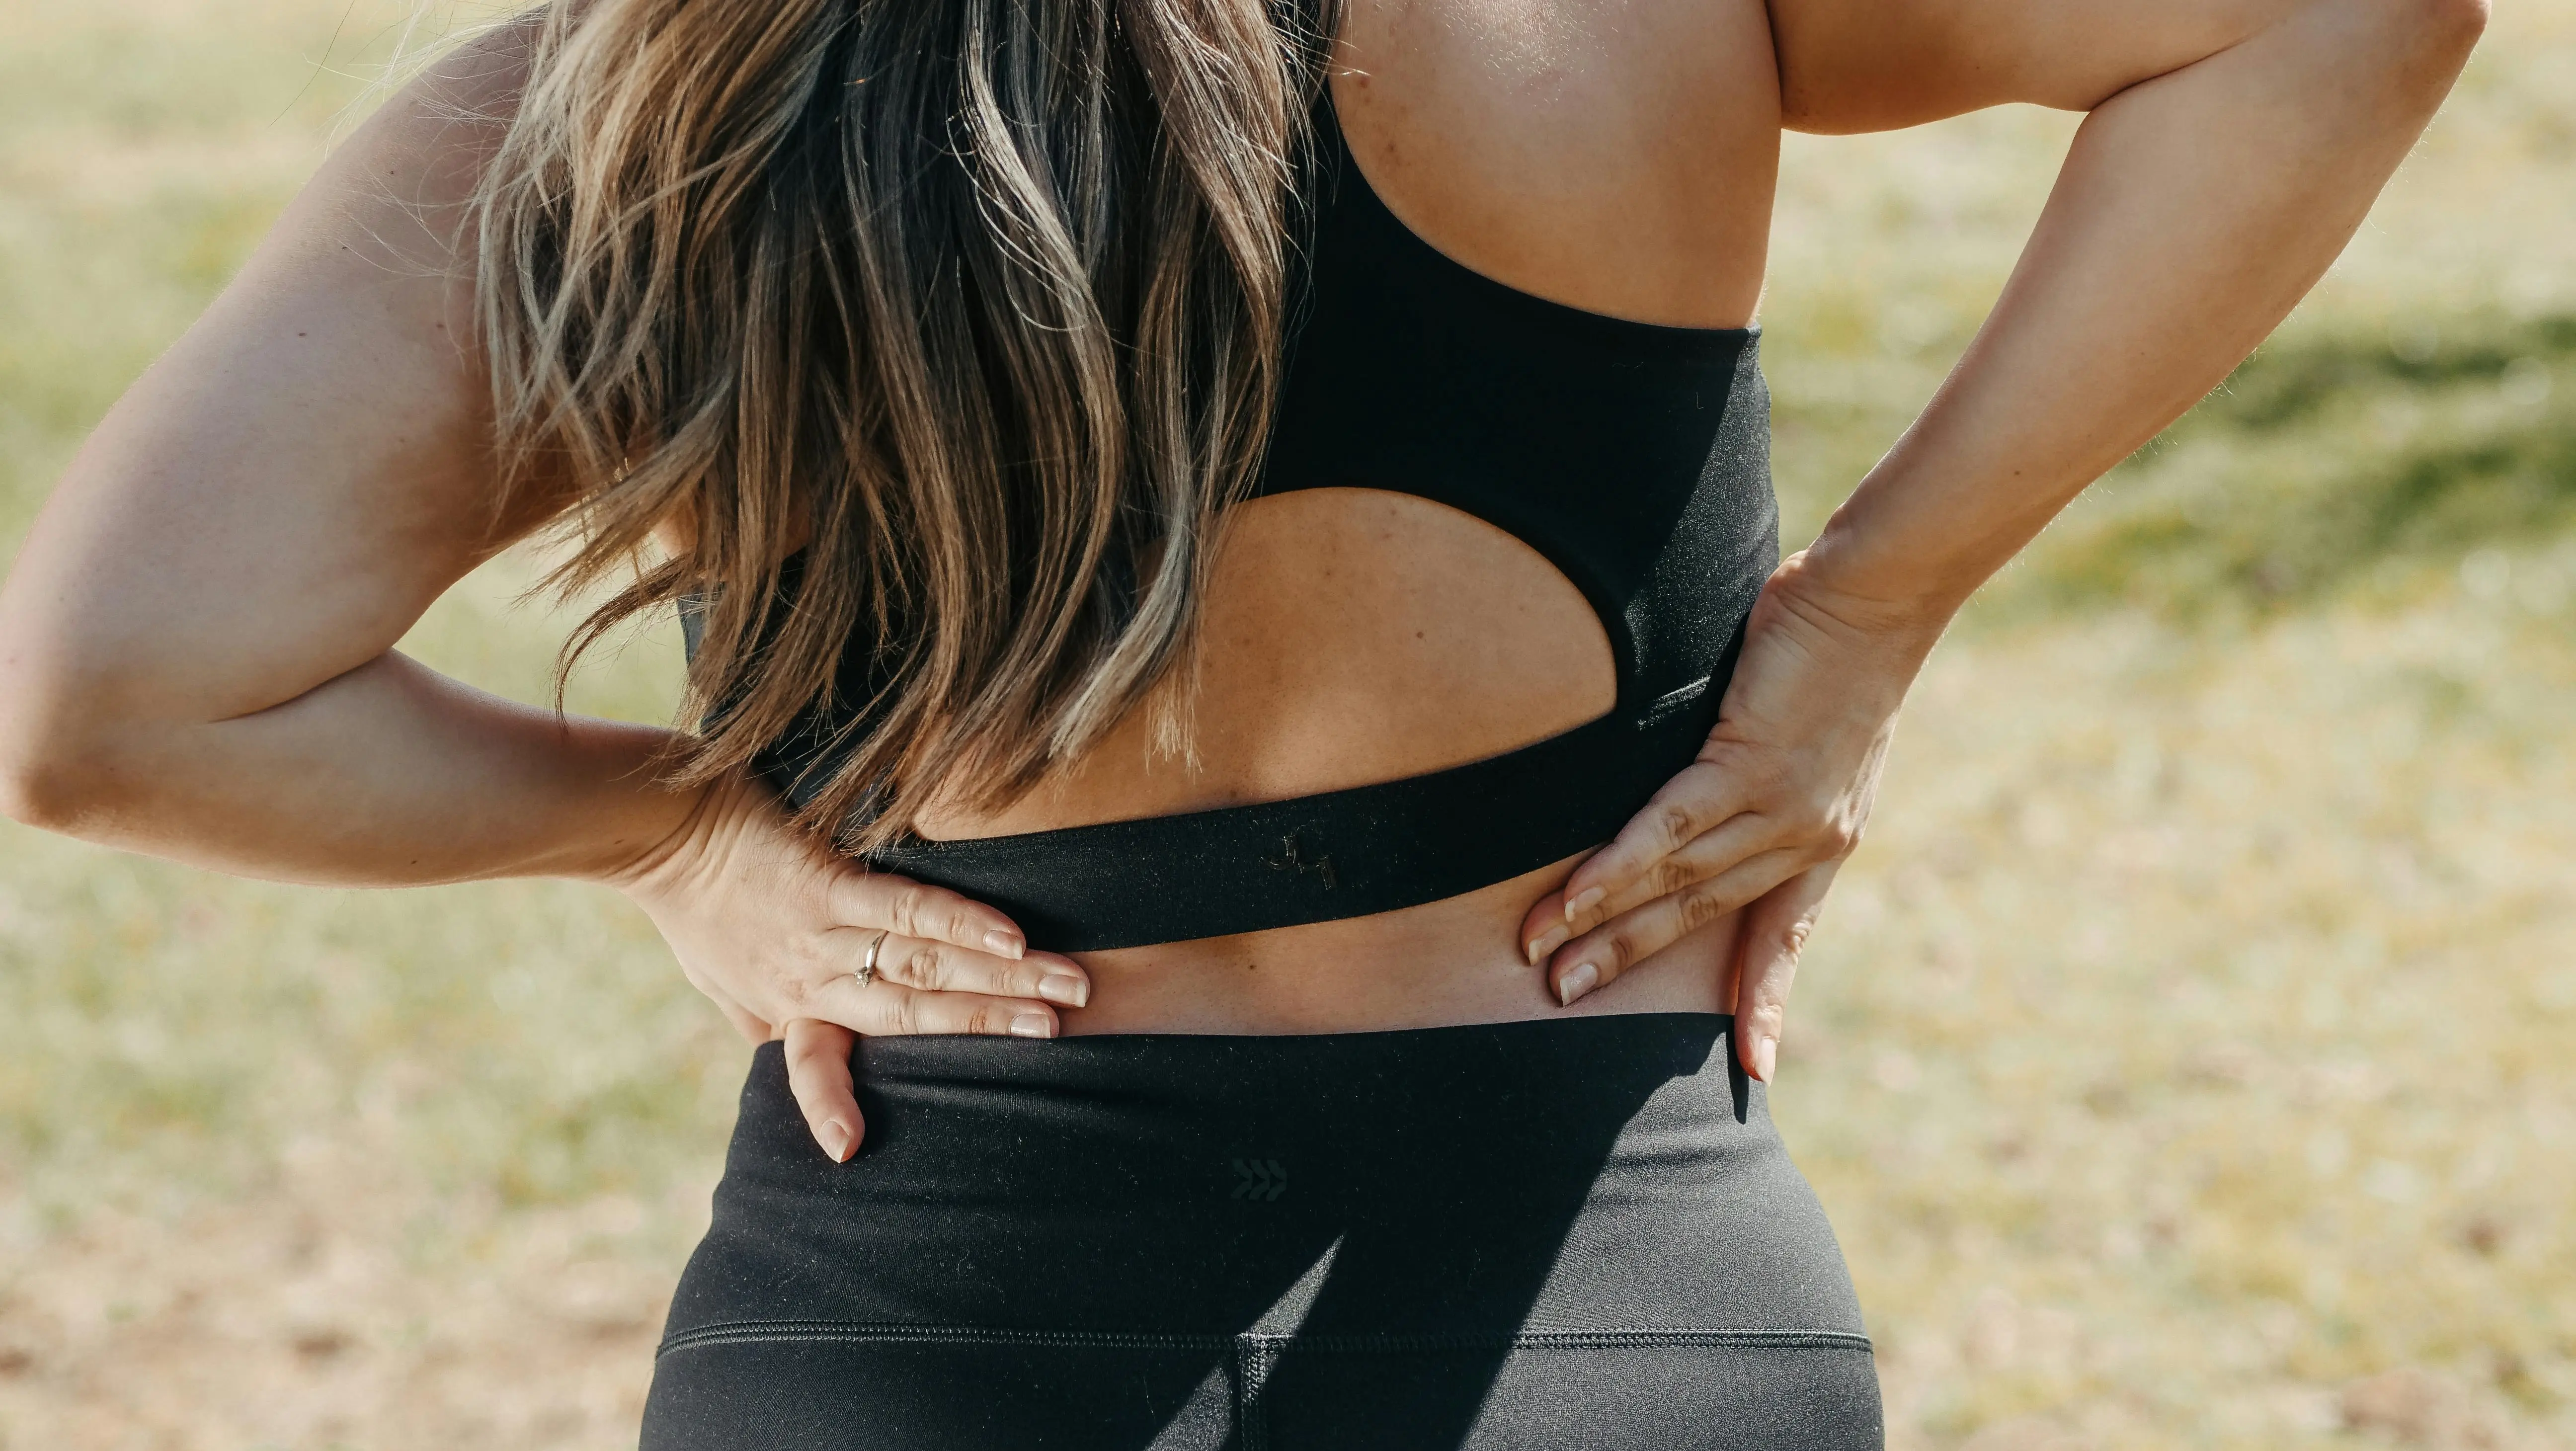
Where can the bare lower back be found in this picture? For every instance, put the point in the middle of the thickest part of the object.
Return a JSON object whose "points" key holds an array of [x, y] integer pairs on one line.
{"points": [[1356, 636], [1442, 963]]}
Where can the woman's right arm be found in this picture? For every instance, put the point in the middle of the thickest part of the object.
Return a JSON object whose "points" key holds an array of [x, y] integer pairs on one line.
{"points": [[196, 642], [2232, 147]]}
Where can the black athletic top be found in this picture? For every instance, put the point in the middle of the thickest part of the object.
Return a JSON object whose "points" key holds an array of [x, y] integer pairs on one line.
{"points": [[1636, 458]]}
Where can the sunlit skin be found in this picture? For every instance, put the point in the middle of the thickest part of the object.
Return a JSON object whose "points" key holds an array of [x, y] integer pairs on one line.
{"points": [[196, 643]]}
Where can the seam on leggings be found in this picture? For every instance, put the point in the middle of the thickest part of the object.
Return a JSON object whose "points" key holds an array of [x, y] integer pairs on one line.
{"points": [[1254, 1355], [1255, 1351]]}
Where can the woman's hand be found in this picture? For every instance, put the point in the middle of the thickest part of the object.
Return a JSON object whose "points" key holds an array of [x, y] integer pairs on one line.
{"points": [[1764, 817], [776, 926]]}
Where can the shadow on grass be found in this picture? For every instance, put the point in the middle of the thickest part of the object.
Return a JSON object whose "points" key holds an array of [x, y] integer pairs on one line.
{"points": [[2321, 460], [2284, 386]]}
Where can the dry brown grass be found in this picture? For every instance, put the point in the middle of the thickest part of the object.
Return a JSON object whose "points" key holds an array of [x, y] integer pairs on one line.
{"points": [[2185, 1060], [2192, 1054]]}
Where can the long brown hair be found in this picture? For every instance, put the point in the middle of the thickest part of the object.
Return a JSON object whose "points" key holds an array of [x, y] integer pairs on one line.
{"points": [[947, 326]]}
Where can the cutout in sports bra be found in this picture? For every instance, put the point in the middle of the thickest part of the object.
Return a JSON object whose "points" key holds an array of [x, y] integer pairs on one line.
{"points": [[1634, 457]]}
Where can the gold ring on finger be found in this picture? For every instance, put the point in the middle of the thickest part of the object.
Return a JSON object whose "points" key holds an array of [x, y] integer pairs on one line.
{"points": [[867, 972]]}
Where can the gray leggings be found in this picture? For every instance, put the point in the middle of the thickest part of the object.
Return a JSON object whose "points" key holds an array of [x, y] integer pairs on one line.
{"points": [[1578, 1232]]}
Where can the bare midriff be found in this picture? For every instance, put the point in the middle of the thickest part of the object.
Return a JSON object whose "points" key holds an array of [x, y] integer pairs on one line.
{"points": [[1356, 636], [1353, 635]]}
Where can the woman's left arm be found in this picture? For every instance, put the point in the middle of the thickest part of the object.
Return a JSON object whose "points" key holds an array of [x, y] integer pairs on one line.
{"points": [[2232, 148]]}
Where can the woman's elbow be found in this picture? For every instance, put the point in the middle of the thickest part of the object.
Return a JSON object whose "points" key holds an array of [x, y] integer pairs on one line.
{"points": [[58, 758], [2418, 51], [2447, 29], [2426, 41], [41, 784], [2463, 20], [40, 791]]}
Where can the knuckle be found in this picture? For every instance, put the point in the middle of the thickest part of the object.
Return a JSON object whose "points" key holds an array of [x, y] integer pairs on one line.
{"points": [[925, 967], [1700, 907], [1672, 875], [908, 907], [1618, 950], [1672, 824]]}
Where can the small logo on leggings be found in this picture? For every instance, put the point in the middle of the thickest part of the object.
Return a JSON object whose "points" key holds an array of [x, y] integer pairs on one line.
{"points": [[1262, 1180]]}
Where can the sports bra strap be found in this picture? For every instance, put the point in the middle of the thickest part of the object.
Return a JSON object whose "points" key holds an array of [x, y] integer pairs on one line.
{"points": [[1348, 853]]}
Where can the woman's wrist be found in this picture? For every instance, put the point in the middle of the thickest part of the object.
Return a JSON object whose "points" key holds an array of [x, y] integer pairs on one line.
{"points": [[631, 816], [643, 864], [1832, 587], [1916, 538]]}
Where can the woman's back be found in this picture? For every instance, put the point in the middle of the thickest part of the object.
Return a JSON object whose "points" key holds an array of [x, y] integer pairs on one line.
{"points": [[1615, 162]]}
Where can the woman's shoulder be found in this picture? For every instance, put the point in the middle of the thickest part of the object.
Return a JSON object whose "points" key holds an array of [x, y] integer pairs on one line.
{"points": [[407, 175], [343, 359]]}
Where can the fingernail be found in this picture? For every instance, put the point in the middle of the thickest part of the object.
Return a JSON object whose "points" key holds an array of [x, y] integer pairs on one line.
{"points": [[1585, 901], [1004, 944], [1065, 988], [1576, 983], [836, 1140], [1766, 1056], [1032, 1025], [1545, 943]]}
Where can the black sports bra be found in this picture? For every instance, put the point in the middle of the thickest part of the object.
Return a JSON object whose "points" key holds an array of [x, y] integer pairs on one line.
{"points": [[1635, 457]]}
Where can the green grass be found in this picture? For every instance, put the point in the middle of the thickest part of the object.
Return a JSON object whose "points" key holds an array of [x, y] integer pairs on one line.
{"points": [[2330, 462], [2184, 1060]]}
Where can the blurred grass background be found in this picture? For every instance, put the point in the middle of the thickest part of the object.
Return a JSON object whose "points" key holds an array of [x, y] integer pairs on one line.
{"points": [[2186, 1060]]}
